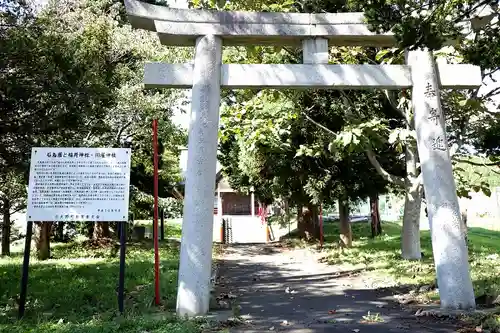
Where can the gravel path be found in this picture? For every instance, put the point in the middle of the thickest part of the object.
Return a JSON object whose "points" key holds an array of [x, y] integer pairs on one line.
{"points": [[289, 290]]}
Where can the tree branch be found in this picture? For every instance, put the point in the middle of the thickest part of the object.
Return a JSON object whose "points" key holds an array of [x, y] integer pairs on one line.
{"points": [[120, 132], [319, 125], [178, 195], [491, 93], [490, 74], [477, 163], [396, 108], [470, 10], [460, 142], [371, 157], [18, 209], [381, 171], [131, 135]]}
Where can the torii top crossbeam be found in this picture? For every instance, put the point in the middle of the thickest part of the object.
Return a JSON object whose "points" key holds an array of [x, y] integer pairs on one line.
{"points": [[181, 27]]}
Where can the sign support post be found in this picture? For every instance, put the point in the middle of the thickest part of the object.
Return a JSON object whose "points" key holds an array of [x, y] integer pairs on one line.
{"points": [[121, 276], [26, 262]]}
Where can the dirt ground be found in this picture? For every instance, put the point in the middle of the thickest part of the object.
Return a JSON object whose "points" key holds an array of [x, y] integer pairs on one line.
{"points": [[277, 289]]}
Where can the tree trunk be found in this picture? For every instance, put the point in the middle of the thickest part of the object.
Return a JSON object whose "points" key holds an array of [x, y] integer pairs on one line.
{"points": [[59, 232], [463, 214], [345, 226], [375, 216], [6, 228], [314, 223], [308, 222], [287, 210], [42, 240], [410, 236], [90, 226], [300, 223], [101, 230]]}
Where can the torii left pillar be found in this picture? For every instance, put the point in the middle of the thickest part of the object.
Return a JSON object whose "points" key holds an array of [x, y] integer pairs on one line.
{"points": [[193, 294]]}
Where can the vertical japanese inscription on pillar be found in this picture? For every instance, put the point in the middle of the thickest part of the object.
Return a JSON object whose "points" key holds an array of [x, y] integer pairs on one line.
{"points": [[79, 184], [448, 246], [432, 100]]}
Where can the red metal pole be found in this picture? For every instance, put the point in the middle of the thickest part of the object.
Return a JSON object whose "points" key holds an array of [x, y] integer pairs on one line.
{"points": [[155, 217], [321, 225]]}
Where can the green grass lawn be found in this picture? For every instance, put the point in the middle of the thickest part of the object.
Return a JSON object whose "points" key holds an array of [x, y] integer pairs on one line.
{"points": [[382, 255], [76, 291], [172, 229]]}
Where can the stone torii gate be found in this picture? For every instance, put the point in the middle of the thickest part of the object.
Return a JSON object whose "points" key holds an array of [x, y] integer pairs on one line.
{"points": [[207, 31]]}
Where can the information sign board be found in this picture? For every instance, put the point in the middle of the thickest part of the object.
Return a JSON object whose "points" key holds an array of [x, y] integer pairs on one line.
{"points": [[79, 184]]}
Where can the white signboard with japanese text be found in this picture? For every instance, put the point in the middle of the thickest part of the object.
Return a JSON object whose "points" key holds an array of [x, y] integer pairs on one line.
{"points": [[79, 184]]}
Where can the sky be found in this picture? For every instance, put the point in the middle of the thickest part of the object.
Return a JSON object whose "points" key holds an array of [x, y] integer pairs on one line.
{"points": [[181, 115]]}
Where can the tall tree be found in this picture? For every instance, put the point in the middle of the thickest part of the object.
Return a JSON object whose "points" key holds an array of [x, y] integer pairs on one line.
{"points": [[126, 121], [51, 83], [71, 76], [12, 200]]}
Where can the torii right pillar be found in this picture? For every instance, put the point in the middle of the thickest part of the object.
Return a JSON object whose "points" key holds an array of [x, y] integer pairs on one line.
{"points": [[448, 244]]}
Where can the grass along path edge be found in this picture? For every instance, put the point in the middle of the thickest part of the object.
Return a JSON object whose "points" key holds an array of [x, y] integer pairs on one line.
{"points": [[380, 259], [76, 291]]}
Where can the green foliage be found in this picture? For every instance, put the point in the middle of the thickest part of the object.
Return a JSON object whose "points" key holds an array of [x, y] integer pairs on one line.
{"points": [[269, 142], [76, 291], [488, 141], [382, 256], [481, 175], [167, 324], [172, 208], [429, 24], [473, 27], [52, 82], [72, 76], [142, 205]]}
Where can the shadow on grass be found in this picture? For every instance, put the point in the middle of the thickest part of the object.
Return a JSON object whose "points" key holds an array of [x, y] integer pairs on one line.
{"points": [[79, 286], [383, 253]]}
